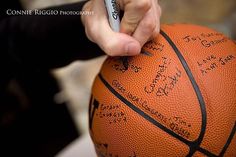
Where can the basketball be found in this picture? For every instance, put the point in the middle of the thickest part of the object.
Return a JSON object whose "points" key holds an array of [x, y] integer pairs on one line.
{"points": [[176, 99]]}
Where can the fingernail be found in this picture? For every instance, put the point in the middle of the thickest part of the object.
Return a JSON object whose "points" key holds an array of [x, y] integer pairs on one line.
{"points": [[132, 49]]}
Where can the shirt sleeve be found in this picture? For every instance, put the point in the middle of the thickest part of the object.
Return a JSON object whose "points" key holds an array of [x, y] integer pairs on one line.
{"points": [[49, 41]]}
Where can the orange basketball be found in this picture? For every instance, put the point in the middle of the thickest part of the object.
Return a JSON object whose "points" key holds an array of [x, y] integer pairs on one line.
{"points": [[176, 99]]}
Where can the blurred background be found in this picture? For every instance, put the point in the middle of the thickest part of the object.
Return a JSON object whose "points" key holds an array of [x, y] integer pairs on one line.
{"points": [[218, 14], [75, 80]]}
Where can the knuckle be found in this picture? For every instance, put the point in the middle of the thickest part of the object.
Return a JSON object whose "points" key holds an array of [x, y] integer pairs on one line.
{"points": [[109, 49], [89, 36], [155, 33], [159, 10], [113, 47], [129, 22], [129, 25], [112, 54], [91, 32], [143, 5], [149, 26]]}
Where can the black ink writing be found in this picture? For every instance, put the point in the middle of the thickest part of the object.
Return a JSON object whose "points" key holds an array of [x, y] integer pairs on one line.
{"points": [[169, 86], [123, 64], [176, 123], [180, 126], [225, 60], [159, 75], [102, 150], [201, 36], [212, 63], [118, 86], [112, 113], [208, 59], [206, 43], [206, 39], [154, 46], [179, 130], [93, 106]]}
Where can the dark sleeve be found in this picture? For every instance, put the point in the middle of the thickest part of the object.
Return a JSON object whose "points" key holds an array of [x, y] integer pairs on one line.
{"points": [[47, 40]]}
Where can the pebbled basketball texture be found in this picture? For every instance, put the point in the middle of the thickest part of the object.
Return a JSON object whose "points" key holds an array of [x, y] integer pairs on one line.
{"points": [[176, 99]]}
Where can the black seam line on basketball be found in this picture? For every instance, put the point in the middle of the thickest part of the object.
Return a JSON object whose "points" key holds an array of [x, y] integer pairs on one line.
{"points": [[228, 140], [196, 89], [141, 113], [206, 152], [89, 111]]}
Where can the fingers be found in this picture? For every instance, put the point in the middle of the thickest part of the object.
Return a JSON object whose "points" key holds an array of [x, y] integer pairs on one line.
{"points": [[134, 11], [98, 30], [141, 19], [149, 26]]}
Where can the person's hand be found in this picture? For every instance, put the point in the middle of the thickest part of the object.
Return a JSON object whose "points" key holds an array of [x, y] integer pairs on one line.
{"points": [[140, 23]]}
